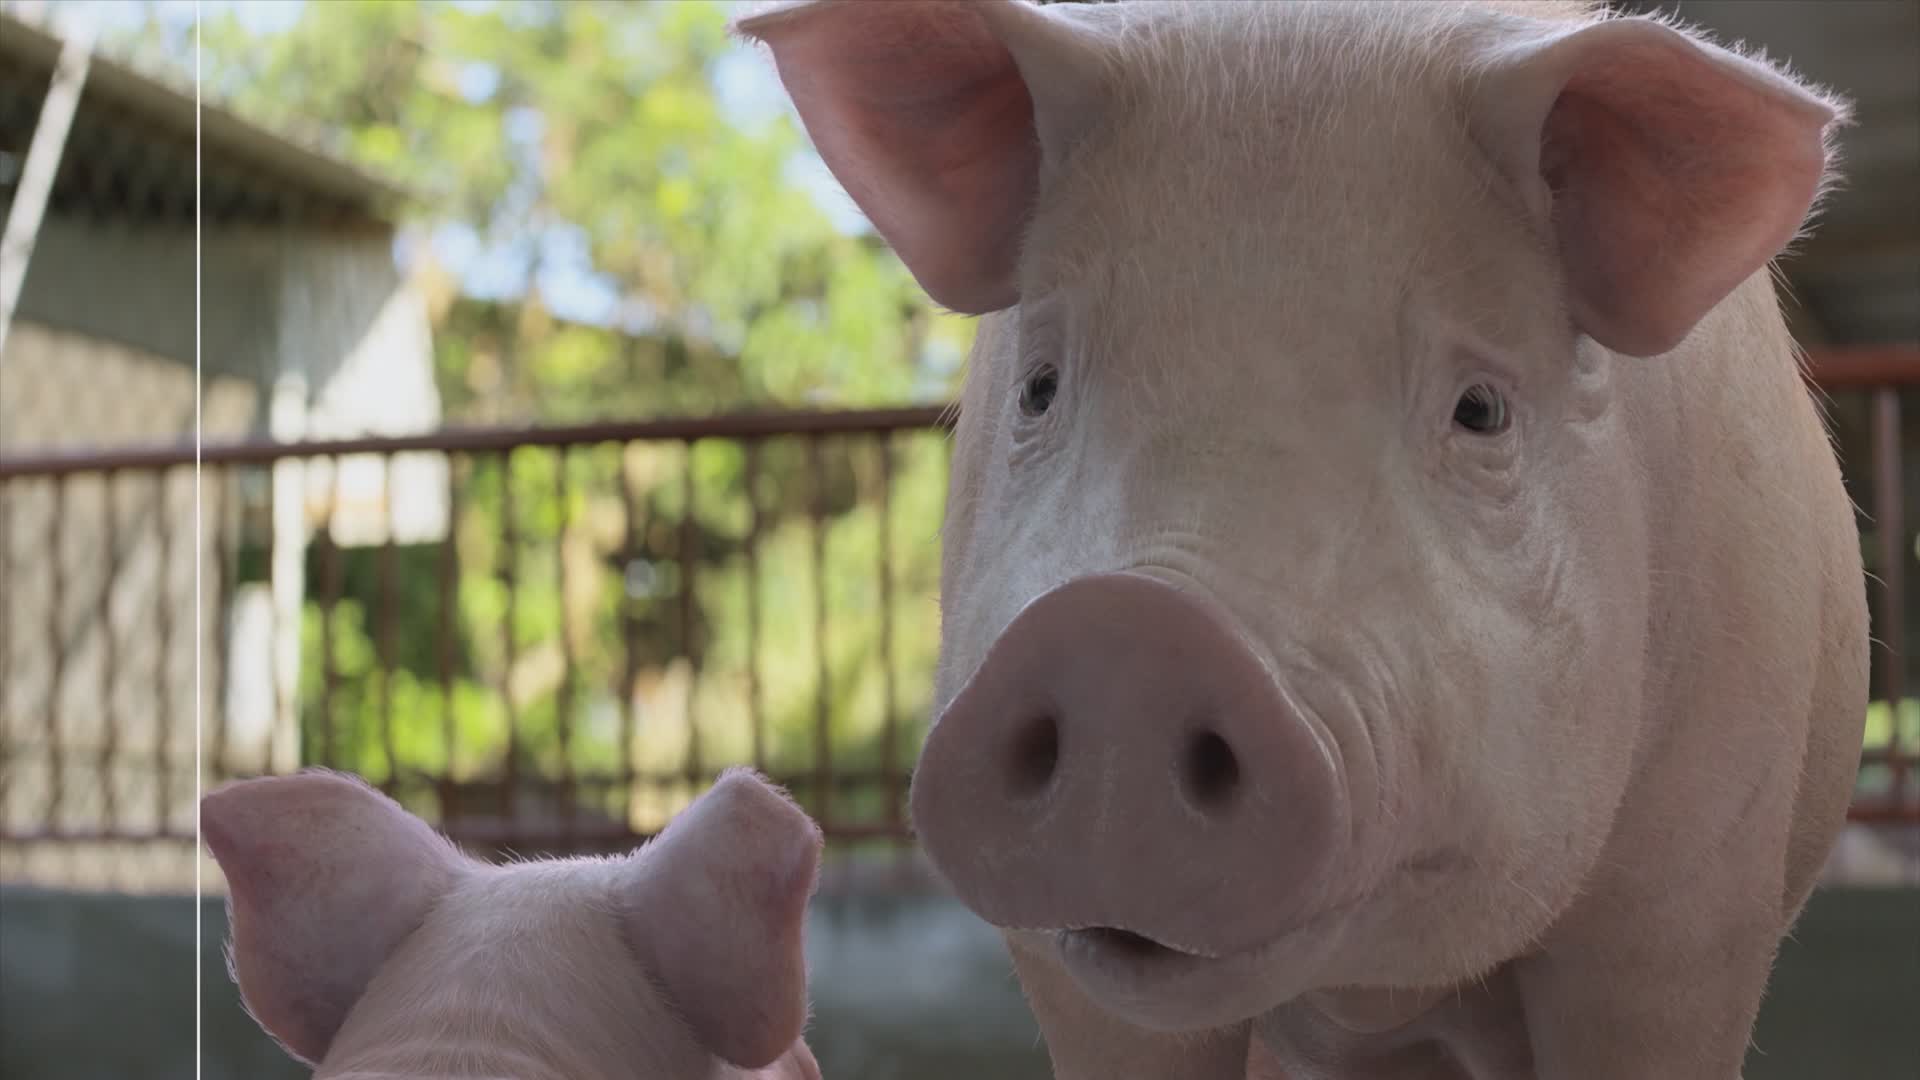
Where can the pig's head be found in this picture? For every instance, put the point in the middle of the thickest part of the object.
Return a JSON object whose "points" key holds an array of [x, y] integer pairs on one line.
{"points": [[1296, 562], [366, 943]]}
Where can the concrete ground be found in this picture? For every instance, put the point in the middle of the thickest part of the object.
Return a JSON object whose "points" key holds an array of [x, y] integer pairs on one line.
{"points": [[100, 987]]}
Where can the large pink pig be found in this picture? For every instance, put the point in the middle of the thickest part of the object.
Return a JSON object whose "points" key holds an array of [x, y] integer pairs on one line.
{"points": [[368, 945], [1401, 615]]}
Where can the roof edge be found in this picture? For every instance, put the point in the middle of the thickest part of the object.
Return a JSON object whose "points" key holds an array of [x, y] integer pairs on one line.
{"points": [[289, 159]]}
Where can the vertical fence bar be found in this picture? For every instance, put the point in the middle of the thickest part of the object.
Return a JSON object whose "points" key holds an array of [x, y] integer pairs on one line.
{"points": [[756, 714], [1890, 525], [278, 692], [449, 590], [163, 647], [223, 588], [109, 650], [57, 650], [330, 585], [7, 489], [689, 559], [509, 579], [889, 722], [389, 552], [286, 487], [823, 701], [629, 628], [563, 697]]}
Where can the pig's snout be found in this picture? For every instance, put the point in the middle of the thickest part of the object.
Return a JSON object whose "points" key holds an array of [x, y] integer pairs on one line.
{"points": [[1123, 760]]}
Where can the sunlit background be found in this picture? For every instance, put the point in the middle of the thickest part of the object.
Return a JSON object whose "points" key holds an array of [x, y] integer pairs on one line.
{"points": [[571, 436]]}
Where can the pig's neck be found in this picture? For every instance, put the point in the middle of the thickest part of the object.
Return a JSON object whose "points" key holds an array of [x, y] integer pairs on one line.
{"points": [[1475, 1032]]}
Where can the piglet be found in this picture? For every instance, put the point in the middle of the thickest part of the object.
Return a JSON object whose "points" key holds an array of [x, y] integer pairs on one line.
{"points": [[368, 945]]}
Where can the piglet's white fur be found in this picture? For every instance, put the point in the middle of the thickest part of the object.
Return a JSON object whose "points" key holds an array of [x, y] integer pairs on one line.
{"points": [[370, 946]]}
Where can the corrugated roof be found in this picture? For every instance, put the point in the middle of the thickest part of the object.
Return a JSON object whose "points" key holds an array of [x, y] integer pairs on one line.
{"points": [[145, 124]]}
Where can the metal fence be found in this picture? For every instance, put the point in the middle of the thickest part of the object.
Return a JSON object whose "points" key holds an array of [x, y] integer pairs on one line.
{"points": [[549, 639], [543, 639]]}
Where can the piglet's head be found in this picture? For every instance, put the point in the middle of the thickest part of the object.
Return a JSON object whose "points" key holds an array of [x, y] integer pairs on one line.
{"points": [[360, 933]]}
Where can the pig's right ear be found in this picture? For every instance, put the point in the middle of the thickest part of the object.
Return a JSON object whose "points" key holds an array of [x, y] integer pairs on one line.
{"points": [[716, 912], [325, 878], [939, 118]]}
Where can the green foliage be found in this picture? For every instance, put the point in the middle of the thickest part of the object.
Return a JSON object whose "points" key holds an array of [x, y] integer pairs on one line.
{"points": [[597, 126], [1881, 731], [775, 619], [1886, 729], [598, 617]]}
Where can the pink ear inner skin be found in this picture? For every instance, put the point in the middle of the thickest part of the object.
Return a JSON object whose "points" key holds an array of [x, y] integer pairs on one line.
{"points": [[925, 119], [718, 914], [326, 877], [1676, 176]]}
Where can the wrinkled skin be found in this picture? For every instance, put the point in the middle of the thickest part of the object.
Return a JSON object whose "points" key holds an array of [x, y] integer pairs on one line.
{"points": [[370, 947], [1481, 686]]}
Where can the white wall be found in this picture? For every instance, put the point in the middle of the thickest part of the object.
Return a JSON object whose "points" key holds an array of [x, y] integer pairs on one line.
{"points": [[306, 335]]}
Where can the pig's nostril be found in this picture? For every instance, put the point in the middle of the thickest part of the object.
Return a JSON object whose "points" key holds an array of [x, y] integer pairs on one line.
{"points": [[1035, 752], [1211, 771]]}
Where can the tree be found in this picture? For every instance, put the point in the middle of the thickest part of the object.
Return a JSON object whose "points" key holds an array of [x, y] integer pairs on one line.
{"points": [[607, 237], [585, 148]]}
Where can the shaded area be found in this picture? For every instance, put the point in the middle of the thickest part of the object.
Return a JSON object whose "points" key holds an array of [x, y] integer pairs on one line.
{"points": [[1846, 991], [903, 986]]}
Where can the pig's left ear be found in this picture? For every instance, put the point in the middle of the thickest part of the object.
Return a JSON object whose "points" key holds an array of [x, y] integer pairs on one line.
{"points": [[1671, 169], [716, 913], [325, 878]]}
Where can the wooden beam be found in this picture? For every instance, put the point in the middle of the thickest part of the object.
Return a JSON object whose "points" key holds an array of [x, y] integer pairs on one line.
{"points": [[1846, 366], [43, 161]]}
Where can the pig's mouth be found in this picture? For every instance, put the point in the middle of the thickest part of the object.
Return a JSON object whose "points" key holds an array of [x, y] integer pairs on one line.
{"points": [[1110, 953], [1157, 985], [1123, 943], [1170, 987]]}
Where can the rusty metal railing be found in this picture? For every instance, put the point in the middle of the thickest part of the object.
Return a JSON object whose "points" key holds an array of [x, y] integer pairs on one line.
{"points": [[397, 636], [583, 625]]}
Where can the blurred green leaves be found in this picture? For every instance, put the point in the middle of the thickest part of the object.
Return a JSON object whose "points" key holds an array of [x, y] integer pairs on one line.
{"points": [[1887, 728], [588, 142], [581, 158]]}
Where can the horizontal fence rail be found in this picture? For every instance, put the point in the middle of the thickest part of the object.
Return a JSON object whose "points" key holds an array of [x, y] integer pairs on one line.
{"points": [[548, 639], [541, 638], [743, 426]]}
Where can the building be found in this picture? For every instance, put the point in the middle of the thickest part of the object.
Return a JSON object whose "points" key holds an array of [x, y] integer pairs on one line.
{"points": [[308, 329]]}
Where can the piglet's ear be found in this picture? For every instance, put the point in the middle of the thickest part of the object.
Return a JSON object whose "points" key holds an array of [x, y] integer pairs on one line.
{"points": [[938, 117], [325, 878], [716, 912], [1675, 169]]}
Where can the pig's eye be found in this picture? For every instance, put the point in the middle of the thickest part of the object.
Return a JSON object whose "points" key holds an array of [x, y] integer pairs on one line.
{"points": [[1481, 410], [1036, 394]]}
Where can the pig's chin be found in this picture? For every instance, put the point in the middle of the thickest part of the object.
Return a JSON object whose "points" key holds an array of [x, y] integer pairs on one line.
{"points": [[1163, 988]]}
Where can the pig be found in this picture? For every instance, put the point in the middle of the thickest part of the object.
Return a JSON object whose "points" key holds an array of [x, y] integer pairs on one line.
{"points": [[372, 948], [1400, 615]]}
